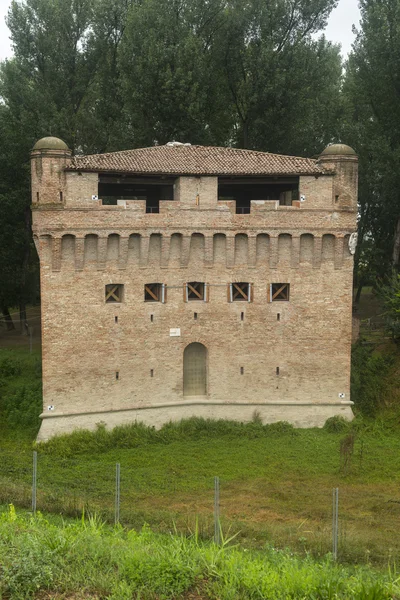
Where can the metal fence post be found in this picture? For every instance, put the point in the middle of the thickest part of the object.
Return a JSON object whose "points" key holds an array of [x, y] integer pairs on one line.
{"points": [[117, 491], [34, 482], [217, 539], [335, 522]]}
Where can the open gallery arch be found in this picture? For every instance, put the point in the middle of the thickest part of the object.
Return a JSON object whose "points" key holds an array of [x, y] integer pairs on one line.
{"points": [[195, 370]]}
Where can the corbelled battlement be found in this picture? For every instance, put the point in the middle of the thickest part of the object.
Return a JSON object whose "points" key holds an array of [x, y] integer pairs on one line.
{"points": [[266, 250]]}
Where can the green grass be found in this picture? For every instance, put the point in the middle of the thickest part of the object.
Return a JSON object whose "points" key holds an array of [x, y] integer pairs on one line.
{"points": [[41, 558], [276, 482]]}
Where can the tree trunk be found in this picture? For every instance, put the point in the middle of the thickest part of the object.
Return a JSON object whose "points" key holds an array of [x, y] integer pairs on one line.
{"points": [[25, 265], [22, 319], [245, 134], [396, 246], [358, 294], [8, 319]]}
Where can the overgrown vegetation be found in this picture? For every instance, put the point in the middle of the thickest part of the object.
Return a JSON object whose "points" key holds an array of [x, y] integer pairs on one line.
{"points": [[140, 435], [20, 390], [390, 295], [370, 371], [87, 559]]}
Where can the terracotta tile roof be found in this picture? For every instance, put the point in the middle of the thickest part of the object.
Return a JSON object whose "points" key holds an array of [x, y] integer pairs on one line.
{"points": [[184, 159]]}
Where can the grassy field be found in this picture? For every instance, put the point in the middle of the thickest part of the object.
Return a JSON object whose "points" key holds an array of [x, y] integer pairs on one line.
{"points": [[83, 559], [276, 483]]}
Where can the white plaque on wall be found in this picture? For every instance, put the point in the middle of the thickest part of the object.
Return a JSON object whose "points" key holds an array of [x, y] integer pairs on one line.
{"points": [[175, 332]]}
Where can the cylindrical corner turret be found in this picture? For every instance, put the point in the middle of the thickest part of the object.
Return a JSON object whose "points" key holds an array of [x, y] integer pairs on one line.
{"points": [[49, 157], [342, 161]]}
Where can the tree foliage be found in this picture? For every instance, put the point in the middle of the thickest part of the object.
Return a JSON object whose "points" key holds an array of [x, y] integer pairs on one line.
{"points": [[390, 294], [372, 98]]}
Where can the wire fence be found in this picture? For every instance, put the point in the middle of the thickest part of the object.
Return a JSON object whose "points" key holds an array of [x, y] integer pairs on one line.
{"points": [[308, 520]]}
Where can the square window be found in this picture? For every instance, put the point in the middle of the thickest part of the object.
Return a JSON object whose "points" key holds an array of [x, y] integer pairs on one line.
{"points": [[114, 292], [240, 291], [195, 290], [280, 291], [154, 292]]}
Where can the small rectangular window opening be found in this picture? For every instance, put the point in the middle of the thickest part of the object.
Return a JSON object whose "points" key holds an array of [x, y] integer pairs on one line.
{"points": [[152, 318], [337, 198], [195, 316], [241, 370], [277, 370], [61, 196], [240, 291], [242, 316], [280, 292], [195, 290], [116, 374], [116, 319], [114, 292], [37, 196], [154, 292], [278, 317], [151, 372]]}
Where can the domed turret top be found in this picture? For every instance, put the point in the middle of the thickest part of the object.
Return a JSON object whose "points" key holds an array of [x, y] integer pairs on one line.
{"points": [[50, 143], [338, 150]]}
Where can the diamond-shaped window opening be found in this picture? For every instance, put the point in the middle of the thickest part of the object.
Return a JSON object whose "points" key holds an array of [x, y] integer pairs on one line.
{"points": [[114, 292], [240, 291], [154, 292], [280, 292], [195, 290]]}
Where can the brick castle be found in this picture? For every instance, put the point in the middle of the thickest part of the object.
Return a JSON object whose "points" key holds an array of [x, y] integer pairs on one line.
{"points": [[186, 280]]}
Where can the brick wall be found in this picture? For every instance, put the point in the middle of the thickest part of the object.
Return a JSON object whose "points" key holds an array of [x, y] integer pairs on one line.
{"points": [[84, 246]]}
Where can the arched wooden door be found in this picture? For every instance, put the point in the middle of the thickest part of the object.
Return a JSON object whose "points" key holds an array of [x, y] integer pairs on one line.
{"points": [[195, 370]]}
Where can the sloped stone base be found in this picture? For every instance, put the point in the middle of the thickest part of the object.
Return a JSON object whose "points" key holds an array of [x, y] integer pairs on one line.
{"points": [[298, 414]]}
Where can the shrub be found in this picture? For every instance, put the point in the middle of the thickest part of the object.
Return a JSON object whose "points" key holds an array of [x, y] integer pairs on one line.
{"points": [[20, 389], [280, 428], [10, 367], [23, 407], [370, 369], [336, 424]]}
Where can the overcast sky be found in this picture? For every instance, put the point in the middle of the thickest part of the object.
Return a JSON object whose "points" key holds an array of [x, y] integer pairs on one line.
{"points": [[338, 30]]}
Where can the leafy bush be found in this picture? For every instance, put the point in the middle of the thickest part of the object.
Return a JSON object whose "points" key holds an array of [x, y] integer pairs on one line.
{"points": [[390, 294], [280, 428], [20, 389], [336, 424], [10, 367], [23, 407], [370, 369]]}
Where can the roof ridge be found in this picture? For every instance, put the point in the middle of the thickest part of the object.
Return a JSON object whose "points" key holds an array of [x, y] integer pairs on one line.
{"points": [[196, 146], [115, 152]]}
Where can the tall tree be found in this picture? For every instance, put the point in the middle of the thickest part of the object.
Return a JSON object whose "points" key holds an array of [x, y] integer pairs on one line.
{"points": [[171, 87], [284, 86], [46, 89], [18, 264], [372, 97]]}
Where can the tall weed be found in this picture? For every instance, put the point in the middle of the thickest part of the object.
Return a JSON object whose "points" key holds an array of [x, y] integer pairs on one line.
{"points": [[38, 557], [138, 434]]}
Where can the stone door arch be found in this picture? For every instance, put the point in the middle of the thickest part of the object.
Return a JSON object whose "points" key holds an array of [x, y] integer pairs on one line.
{"points": [[195, 370]]}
